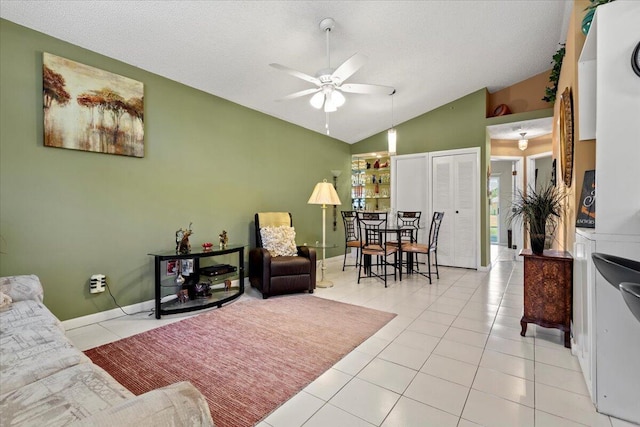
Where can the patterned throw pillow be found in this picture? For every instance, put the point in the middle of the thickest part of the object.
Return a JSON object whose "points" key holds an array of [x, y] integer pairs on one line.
{"points": [[279, 241], [5, 301]]}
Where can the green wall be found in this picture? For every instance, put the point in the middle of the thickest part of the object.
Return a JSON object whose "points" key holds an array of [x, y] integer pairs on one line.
{"points": [[458, 124], [66, 214]]}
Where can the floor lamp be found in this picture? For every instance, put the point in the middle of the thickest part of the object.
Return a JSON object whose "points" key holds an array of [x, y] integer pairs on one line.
{"points": [[324, 194]]}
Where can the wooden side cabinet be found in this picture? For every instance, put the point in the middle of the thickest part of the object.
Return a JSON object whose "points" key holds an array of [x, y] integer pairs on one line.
{"points": [[548, 291]]}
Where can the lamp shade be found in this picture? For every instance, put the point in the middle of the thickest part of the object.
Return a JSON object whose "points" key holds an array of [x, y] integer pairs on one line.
{"points": [[317, 100], [324, 194], [392, 140], [523, 143], [338, 98]]}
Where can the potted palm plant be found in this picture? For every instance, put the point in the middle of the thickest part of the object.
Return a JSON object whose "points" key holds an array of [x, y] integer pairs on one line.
{"points": [[539, 211]]}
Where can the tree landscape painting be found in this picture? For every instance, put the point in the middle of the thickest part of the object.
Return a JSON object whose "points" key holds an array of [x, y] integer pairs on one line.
{"points": [[89, 109]]}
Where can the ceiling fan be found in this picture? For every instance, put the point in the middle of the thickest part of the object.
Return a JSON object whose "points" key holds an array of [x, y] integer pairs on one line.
{"points": [[329, 82]]}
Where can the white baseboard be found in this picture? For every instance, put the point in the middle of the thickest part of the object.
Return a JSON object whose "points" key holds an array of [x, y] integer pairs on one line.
{"points": [[103, 316]]}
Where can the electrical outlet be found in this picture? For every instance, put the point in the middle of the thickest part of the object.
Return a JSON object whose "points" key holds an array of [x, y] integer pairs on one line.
{"points": [[98, 283]]}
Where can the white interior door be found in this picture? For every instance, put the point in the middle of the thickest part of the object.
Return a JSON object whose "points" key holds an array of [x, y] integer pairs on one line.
{"points": [[454, 180], [410, 187]]}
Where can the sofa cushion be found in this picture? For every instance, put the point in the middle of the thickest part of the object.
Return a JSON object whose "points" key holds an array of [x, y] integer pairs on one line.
{"points": [[62, 398], [279, 241], [290, 265], [27, 314], [30, 354], [179, 404]]}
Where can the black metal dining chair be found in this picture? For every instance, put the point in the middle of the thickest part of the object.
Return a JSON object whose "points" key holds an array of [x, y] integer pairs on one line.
{"points": [[429, 248], [372, 226], [351, 236], [409, 222]]}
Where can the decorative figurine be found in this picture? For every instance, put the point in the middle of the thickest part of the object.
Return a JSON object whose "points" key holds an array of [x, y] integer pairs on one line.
{"points": [[207, 246], [183, 295], [203, 289], [182, 240], [224, 239], [227, 285]]}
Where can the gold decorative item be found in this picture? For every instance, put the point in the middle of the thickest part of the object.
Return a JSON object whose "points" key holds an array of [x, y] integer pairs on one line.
{"points": [[224, 239], [336, 173], [182, 240], [566, 136]]}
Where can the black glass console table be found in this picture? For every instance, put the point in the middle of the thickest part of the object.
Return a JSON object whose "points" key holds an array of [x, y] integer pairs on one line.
{"points": [[189, 282]]}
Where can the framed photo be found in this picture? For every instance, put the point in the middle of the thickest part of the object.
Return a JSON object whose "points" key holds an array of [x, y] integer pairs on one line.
{"points": [[186, 267], [89, 109], [172, 267]]}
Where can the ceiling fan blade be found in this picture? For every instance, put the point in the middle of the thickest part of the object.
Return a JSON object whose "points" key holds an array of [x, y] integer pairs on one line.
{"points": [[296, 73], [348, 67], [366, 89], [299, 94]]}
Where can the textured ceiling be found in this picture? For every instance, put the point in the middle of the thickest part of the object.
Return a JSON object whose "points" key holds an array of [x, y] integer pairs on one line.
{"points": [[432, 52]]}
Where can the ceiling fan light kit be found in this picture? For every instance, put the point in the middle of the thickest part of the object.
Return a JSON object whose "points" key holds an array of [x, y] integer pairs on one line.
{"points": [[328, 93]]}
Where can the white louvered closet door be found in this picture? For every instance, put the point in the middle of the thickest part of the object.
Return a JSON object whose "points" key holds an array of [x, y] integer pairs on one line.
{"points": [[454, 192], [410, 188]]}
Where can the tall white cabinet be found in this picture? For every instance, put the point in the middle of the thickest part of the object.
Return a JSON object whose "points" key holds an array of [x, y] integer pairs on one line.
{"points": [[606, 336]]}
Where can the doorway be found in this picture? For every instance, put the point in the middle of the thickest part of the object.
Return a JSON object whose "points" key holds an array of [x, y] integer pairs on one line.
{"points": [[539, 170], [509, 171], [494, 209]]}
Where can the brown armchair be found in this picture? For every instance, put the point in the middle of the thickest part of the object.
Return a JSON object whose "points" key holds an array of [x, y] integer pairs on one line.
{"points": [[275, 275]]}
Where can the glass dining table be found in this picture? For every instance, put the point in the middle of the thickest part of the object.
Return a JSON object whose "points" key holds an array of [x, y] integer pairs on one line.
{"points": [[400, 231]]}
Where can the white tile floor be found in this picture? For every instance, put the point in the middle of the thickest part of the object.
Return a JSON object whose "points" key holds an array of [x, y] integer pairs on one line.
{"points": [[452, 357]]}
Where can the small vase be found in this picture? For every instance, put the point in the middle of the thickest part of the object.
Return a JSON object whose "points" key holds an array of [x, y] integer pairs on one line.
{"points": [[586, 21], [537, 243], [179, 280]]}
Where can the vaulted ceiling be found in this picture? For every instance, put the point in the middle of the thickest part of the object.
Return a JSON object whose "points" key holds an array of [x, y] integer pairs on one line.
{"points": [[432, 52]]}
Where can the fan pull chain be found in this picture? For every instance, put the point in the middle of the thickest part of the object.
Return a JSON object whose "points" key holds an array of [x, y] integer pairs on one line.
{"points": [[326, 122]]}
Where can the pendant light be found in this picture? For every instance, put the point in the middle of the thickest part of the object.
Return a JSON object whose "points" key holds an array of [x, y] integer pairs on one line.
{"points": [[523, 143], [391, 133]]}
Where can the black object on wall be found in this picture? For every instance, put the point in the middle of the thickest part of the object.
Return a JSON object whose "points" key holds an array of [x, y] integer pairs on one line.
{"points": [[587, 208]]}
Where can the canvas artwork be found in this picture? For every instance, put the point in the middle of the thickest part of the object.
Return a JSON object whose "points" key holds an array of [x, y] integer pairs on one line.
{"points": [[89, 109]]}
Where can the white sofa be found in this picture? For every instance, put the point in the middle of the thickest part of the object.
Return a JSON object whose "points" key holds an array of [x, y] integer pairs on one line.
{"points": [[46, 381]]}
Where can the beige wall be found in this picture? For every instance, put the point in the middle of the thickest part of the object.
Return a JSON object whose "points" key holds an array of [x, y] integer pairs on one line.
{"points": [[584, 151], [523, 96]]}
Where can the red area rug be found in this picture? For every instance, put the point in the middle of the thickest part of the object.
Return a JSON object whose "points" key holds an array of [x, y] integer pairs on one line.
{"points": [[246, 358]]}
